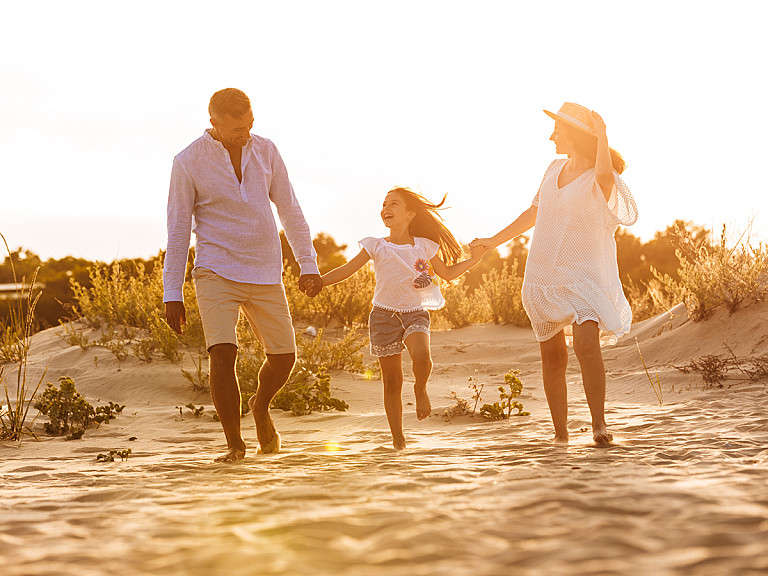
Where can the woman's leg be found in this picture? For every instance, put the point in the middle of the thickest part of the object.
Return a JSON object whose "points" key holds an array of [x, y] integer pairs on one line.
{"points": [[392, 375], [586, 345], [421, 360], [554, 361]]}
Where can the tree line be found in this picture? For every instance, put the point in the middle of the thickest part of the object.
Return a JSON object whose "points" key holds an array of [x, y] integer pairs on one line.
{"points": [[635, 259]]}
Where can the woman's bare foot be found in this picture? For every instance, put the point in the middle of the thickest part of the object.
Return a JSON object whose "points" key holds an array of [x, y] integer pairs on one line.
{"points": [[269, 439], [423, 405], [233, 455], [562, 439], [603, 439], [399, 442]]}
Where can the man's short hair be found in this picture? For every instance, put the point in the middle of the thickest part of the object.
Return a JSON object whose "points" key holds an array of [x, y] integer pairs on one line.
{"points": [[229, 101]]}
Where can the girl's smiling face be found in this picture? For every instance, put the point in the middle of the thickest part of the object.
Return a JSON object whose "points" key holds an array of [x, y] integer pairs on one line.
{"points": [[394, 211]]}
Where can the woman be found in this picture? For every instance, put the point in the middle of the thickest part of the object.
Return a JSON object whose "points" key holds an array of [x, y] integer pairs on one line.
{"points": [[571, 275]]}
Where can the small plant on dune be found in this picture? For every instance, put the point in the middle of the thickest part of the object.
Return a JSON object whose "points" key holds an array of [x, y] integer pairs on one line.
{"points": [[110, 456], [459, 408], [199, 379], [197, 411], [307, 391], [14, 347], [477, 388], [502, 410], [69, 412], [76, 337], [714, 369], [655, 385], [108, 412]]}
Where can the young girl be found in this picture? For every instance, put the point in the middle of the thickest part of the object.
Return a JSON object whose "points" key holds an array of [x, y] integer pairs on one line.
{"points": [[418, 245], [571, 276]]}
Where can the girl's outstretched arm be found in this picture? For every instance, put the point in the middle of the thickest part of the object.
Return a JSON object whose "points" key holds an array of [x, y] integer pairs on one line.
{"points": [[345, 270], [522, 223], [452, 272]]}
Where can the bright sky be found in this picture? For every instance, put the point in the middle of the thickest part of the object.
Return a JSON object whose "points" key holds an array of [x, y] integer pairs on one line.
{"points": [[97, 98]]}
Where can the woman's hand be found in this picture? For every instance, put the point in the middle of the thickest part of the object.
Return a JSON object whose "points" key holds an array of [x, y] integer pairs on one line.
{"points": [[598, 124], [479, 246]]}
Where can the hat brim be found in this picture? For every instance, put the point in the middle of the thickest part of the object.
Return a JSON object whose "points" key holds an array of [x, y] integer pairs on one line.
{"points": [[571, 122]]}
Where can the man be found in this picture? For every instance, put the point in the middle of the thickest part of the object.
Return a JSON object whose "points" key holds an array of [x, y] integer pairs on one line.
{"points": [[224, 182]]}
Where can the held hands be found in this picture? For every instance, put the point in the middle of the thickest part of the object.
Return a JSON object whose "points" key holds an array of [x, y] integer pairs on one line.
{"points": [[310, 284], [479, 246]]}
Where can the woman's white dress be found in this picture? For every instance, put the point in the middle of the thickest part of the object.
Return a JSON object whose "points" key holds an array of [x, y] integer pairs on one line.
{"points": [[571, 275]]}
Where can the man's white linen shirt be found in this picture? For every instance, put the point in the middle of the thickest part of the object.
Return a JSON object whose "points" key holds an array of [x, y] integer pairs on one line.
{"points": [[235, 230]]}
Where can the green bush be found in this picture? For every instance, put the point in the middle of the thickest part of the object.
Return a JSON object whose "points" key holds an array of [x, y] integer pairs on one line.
{"points": [[307, 391], [68, 411], [503, 409]]}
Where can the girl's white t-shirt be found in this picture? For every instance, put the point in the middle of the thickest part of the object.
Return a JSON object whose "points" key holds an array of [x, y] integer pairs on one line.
{"points": [[405, 281], [571, 274]]}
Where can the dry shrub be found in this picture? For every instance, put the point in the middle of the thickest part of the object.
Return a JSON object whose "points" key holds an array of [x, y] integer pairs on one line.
{"points": [[733, 274], [501, 289], [348, 302], [129, 308]]}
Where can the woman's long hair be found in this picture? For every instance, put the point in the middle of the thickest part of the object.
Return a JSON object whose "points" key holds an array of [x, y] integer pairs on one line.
{"points": [[429, 224], [586, 145]]}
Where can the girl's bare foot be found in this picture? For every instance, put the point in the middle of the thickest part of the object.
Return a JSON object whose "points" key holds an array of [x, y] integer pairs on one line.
{"points": [[233, 455], [423, 405]]}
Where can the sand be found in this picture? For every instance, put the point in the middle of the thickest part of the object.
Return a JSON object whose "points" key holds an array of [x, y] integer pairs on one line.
{"points": [[683, 491]]}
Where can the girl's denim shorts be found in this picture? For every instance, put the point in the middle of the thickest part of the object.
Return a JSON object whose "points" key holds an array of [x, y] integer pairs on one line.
{"points": [[388, 329]]}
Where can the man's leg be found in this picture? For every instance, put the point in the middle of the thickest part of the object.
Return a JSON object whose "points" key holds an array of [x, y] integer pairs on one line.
{"points": [[273, 375], [226, 398]]}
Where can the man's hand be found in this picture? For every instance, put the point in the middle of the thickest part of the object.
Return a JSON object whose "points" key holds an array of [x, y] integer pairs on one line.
{"points": [[175, 315], [310, 284]]}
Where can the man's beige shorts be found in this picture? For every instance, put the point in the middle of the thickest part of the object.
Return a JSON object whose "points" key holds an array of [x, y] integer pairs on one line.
{"points": [[264, 305]]}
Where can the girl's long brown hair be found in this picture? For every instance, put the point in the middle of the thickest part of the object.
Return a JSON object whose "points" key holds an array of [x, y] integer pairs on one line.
{"points": [[429, 224], [586, 145]]}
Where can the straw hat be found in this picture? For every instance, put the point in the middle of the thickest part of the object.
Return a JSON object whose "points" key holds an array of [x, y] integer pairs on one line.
{"points": [[574, 115]]}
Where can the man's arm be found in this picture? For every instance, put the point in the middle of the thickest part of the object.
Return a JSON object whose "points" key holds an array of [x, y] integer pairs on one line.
{"points": [[293, 222], [181, 201]]}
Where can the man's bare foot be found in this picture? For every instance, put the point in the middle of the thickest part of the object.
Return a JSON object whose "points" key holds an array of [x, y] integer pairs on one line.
{"points": [[423, 405], [399, 443], [233, 455], [269, 439]]}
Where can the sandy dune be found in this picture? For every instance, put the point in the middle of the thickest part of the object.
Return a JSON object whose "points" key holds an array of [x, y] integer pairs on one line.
{"points": [[684, 491]]}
